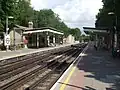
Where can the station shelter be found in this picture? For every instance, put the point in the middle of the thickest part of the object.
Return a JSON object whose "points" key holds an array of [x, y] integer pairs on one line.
{"points": [[42, 37], [102, 36]]}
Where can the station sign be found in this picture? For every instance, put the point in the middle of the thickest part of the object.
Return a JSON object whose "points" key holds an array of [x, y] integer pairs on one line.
{"points": [[7, 40]]}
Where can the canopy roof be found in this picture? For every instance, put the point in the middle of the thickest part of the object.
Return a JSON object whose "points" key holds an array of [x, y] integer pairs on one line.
{"points": [[27, 30], [88, 30], [42, 30]]}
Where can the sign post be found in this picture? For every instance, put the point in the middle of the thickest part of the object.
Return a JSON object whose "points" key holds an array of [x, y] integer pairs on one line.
{"points": [[7, 37], [7, 41]]}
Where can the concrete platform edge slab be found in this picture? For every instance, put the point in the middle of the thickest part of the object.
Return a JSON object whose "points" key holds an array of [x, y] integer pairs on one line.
{"points": [[70, 67]]}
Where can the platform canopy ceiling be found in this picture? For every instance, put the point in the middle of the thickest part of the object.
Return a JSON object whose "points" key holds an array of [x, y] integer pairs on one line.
{"points": [[88, 30], [45, 30]]}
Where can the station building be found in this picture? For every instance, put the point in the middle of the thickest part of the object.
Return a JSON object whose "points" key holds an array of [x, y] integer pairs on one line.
{"points": [[35, 37], [43, 37]]}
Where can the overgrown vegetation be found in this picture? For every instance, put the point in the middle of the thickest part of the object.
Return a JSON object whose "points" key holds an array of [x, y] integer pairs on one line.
{"points": [[104, 19], [23, 13]]}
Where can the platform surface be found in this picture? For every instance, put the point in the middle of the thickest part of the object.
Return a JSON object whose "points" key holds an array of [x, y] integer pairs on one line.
{"points": [[10, 54], [94, 70]]}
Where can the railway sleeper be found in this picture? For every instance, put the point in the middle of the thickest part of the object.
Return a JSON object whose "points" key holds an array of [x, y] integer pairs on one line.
{"points": [[15, 66], [58, 72], [8, 89], [22, 69], [6, 86], [41, 80]]}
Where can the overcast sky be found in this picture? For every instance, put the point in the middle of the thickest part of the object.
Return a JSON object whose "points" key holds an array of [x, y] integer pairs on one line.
{"points": [[75, 13]]}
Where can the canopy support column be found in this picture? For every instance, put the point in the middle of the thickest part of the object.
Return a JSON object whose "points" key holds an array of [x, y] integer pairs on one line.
{"points": [[53, 39], [48, 39], [37, 40]]}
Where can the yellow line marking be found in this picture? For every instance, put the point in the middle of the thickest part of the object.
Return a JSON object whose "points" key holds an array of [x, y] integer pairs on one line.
{"points": [[72, 71], [68, 78]]}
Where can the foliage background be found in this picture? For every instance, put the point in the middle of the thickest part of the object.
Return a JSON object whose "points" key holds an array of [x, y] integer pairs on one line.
{"points": [[23, 13]]}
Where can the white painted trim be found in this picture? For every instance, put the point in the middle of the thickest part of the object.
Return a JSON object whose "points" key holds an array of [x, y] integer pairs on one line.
{"points": [[79, 57], [46, 30], [92, 30], [31, 52]]}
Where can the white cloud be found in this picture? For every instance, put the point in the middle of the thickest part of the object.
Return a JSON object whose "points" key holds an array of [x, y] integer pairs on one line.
{"points": [[43, 4], [75, 13]]}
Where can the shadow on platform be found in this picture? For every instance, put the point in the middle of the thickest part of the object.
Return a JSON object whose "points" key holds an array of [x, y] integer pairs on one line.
{"points": [[86, 87], [102, 67]]}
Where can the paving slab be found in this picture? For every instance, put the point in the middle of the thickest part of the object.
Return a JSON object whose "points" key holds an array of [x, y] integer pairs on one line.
{"points": [[24, 51], [95, 70]]}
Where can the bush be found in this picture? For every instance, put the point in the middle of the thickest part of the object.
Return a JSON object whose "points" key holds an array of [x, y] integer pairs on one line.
{"points": [[2, 47]]}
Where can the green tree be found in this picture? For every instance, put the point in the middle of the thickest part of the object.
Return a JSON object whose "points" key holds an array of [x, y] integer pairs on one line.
{"points": [[24, 12], [47, 18], [6, 9], [76, 33], [105, 20]]}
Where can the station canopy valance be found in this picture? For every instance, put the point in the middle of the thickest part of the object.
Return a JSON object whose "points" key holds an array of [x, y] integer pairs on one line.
{"points": [[88, 30], [27, 30], [43, 30]]}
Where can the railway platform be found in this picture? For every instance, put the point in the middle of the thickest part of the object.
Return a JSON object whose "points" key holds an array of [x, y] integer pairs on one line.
{"points": [[16, 53], [92, 70], [39, 69]]}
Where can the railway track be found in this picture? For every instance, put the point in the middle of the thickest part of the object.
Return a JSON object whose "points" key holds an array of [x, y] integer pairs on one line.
{"points": [[46, 82], [29, 72]]}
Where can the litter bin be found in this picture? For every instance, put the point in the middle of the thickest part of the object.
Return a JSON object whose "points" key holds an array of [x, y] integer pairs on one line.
{"points": [[115, 52]]}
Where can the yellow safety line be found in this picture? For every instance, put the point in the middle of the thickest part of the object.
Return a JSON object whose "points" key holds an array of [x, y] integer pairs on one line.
{"points": [[70, 74], [67, 80]]}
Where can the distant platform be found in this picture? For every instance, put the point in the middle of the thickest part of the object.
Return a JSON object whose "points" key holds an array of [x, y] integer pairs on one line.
{"points": [[16, 53]]}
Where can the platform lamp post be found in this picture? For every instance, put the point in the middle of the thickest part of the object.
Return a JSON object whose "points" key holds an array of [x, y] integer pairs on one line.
{"points": [[7, 29], [114, 33]]}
